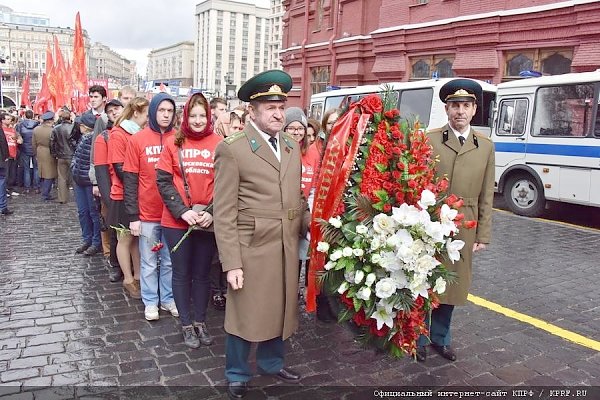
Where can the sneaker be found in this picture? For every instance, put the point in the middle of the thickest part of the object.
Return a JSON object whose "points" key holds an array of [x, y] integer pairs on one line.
{"points": [[170, 307], [202, 333], [6, 211], [90, 251], [189, 337], [83, 247], [151, 313], [15, 193], [132, 290]]}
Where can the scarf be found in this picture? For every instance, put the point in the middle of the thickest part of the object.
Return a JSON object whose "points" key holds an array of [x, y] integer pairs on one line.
{"points": [[130, 126]]}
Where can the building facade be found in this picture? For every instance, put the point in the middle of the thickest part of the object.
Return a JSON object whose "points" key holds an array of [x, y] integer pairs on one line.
{"points": [[23, 48], [355, 42], [10, 16], [230, 46], [275, 34], [172, 65], [106, 63]]}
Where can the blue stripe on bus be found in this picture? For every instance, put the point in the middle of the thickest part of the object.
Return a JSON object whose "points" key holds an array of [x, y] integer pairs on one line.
{"points": [[553, 149]]}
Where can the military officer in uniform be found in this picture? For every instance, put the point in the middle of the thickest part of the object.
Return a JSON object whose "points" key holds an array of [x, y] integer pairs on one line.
{"points": [[259, 215], [466, 157]]}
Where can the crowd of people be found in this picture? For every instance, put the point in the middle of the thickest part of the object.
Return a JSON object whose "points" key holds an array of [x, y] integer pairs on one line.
{"points": [[209, 204]]}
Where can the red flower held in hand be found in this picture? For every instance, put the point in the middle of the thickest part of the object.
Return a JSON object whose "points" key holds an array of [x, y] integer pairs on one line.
{"points": [[157, 247]]}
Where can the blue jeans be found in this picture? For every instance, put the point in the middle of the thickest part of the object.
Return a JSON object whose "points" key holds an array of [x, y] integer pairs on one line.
{"points": [[3, 200], [155, 281], [439, 329], [46, 188], [269, 357], [89, 217], [191, 269], [30, 166]]}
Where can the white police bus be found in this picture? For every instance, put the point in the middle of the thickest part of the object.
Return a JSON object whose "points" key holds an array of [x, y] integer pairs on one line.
{"points": [[416, 98], [547, 138]]}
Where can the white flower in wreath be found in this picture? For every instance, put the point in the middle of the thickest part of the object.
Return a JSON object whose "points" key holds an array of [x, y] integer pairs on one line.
{"points": [[364, 293], [358, 252], [406, 215], [406, 254], [370, 279], [385, 288], [359, 276], [384, 316], [418, 247], [376, 258], [418, 286], [347, 252], [323, 247], [453, 248], [336, 255], [329, 265], [390, 262], [349, 276], [440, 285], [400, 279], [447, 216], [425, 264], [361, 229], [336, 222], [375, 243], [435, 231], [343, 288], [427, 199], [383, 223]]}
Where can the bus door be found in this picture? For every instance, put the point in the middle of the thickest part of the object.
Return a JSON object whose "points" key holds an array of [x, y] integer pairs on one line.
{"points": [[510, 137]]}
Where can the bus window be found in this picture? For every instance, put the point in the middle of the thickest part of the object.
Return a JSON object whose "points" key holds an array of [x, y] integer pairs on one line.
{"points": [[563, 110], [512, 117], [333, 102], [316, 110], [481, 117], [415, 103]]}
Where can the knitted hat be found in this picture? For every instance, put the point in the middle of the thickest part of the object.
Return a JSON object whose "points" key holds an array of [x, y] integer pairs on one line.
{"points": [[293, 114]]}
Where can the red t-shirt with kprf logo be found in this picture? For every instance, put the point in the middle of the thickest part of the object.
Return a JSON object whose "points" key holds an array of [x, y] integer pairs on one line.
{"points": [[117, 145], [143, 153], [12, 141], [310, 164], [198, 162]]}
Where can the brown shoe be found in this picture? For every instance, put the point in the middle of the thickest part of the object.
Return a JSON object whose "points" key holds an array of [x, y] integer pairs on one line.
{"points": [[132, 290]]}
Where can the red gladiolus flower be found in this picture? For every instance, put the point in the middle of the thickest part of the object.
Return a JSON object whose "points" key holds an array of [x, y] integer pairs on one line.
{"points": [[391, 114], [360, 318], [451, 199], [387, 207], [458, 204], [379, 333]]}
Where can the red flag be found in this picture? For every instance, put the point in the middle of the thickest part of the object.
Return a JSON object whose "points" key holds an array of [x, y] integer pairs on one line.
{"points": [[78, 67], [43, 100], [51, 77], [25, 92], [62, 82]]}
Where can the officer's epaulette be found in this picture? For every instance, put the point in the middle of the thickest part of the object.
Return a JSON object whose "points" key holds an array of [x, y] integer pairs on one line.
{"points": [[288, 139], [234, 137]]}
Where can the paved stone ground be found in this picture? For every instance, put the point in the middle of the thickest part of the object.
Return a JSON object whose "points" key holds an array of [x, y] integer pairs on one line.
{"points": [[66, 331]]}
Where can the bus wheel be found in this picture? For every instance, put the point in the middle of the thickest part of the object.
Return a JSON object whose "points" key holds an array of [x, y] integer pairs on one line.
{"points": [[524, 196]]}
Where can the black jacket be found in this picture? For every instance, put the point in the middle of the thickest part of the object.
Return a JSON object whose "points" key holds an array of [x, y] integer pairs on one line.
{"points": [[61, 144]]}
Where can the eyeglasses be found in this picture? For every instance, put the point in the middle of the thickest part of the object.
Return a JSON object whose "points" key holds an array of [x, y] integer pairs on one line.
{"points": [[296, 131]]}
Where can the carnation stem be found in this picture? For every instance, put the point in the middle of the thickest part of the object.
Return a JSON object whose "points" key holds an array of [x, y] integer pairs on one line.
{"points": [[190, 229]]}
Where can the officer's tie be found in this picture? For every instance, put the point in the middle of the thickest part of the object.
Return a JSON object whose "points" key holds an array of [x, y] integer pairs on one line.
{"points": [[273, 141], [461, 139]]}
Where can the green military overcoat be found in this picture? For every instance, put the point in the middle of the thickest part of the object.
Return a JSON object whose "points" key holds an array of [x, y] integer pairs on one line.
{"points": [[259, 214], [470, 170]]}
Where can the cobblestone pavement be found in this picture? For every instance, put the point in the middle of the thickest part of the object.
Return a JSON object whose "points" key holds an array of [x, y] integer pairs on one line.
{"points": [[66, 331]]}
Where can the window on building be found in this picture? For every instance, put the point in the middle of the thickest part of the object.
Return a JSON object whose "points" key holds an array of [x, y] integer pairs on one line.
{"points": [[425, 67], [564, 110], [319, 79], [546, 61]]}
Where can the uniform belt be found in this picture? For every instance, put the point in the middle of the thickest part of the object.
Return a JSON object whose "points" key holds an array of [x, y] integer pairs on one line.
{"points": [[290, 214]]}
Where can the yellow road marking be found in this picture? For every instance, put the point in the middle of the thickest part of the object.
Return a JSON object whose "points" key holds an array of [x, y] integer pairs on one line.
{"points": [[587, 228], [538, 323]]}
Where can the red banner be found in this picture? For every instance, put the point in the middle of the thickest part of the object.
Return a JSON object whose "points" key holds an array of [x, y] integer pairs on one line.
{"points": [[335, 170]]}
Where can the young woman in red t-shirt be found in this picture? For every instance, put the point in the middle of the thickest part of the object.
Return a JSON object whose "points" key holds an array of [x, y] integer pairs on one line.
{"points": [[185, 176], [133, 118]]}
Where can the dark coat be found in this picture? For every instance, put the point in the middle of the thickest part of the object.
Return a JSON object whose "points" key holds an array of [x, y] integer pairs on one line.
{"points": [[80, 163], [3, 149], [61, 145], [25, 129], [259, 214], [470, 169]]}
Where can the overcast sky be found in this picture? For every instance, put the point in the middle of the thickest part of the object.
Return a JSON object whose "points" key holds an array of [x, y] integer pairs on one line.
{"points": [[130, 27]]}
